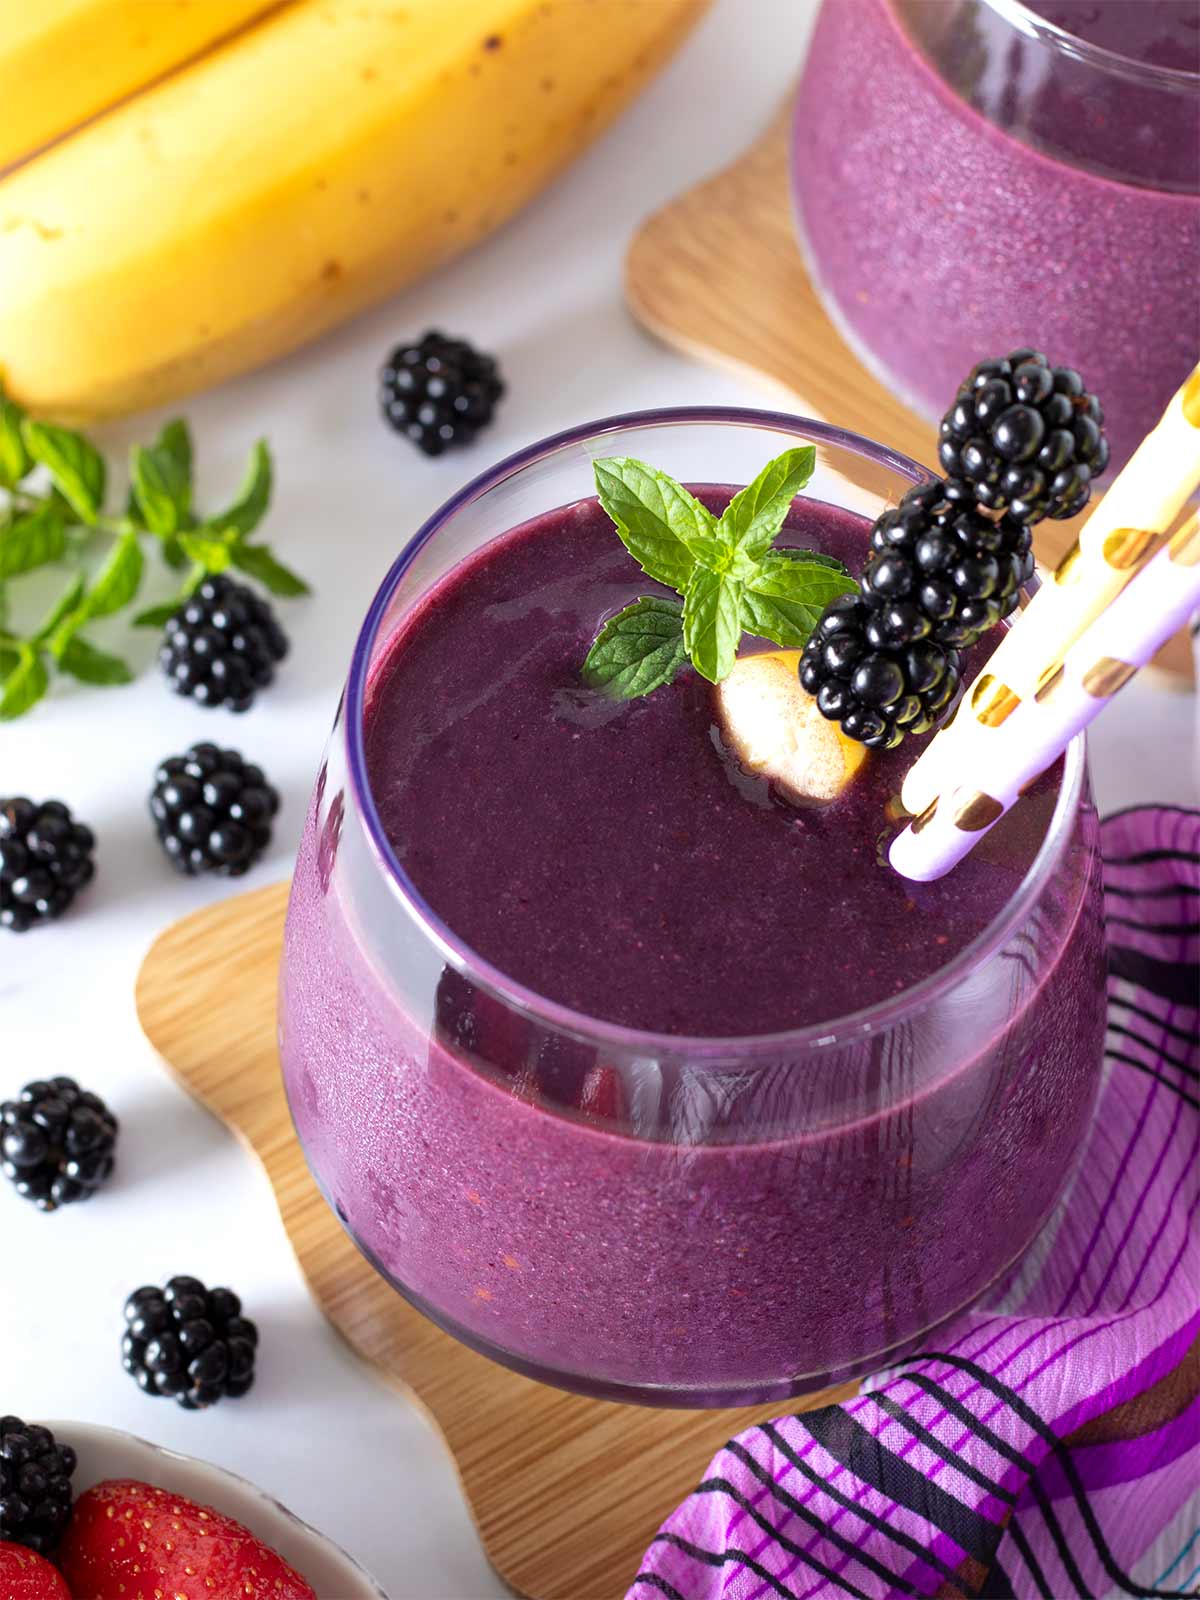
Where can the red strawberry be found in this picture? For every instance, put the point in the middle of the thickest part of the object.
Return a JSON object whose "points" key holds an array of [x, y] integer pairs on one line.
{"points": [[131, 1541], [25, 1576]]}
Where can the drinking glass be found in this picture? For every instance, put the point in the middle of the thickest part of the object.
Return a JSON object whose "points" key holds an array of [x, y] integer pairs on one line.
{"points": [[749, 1217]]}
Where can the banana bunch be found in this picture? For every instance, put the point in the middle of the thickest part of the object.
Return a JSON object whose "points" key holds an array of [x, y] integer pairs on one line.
{"points": [[296, 163]]}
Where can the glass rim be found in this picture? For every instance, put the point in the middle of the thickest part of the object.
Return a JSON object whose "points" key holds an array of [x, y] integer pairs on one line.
{"points": [[828, 1032], [1176, 80]]}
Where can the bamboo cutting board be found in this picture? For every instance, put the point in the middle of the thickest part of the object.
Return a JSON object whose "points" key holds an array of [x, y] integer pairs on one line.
{"points": [[718, 274], [567, 1492]]}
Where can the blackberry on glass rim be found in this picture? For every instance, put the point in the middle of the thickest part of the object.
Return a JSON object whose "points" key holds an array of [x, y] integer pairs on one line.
{"points": [[1023, 437]]}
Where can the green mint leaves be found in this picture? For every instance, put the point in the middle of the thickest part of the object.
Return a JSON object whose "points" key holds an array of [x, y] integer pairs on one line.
{"points": [[730, 575], [52, 491]]}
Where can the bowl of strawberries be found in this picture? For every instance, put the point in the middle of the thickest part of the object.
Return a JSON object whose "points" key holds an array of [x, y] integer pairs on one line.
{"points": [[91, 1513]]}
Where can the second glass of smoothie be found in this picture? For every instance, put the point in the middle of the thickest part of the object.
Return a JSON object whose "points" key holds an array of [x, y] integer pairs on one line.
{"points": [[625, 1068]]}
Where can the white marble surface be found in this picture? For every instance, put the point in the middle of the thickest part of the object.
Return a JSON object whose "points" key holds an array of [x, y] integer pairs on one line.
{"points": [[319, 1431]]}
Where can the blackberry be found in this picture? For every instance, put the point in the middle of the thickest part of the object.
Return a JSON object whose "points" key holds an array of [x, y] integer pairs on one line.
{"points": [[212, 811], [877, 693], [222, 645], [1025, 437], [189, 1343], [942, 570], [45, 859], [439, 392], [56, 1143], [35, 1485]]}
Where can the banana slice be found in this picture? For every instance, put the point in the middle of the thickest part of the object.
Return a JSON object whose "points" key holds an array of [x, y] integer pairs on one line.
{"points": [[774, 728]]}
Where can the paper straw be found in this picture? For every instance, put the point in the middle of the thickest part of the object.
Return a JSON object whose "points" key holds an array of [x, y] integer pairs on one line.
{"points": [[1121, 640], [1120, 537]]}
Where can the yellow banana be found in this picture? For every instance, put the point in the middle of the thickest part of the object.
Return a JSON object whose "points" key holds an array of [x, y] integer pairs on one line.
{"points": [[301, 172], [63, 61]]}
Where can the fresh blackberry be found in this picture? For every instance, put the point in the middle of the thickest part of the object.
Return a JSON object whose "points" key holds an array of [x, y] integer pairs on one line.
{"points": [[1025, 437], [189, 1343], [56, 1143], [35, 1485], [439, 392], [942, 570], [877, 694], [222, 645], [45, 859], [213, 811]]}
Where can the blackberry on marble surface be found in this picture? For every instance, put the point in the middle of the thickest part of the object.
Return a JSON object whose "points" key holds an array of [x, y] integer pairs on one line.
{"points": [[189, 1343], [1025, 437], [45, 860], [56, 1143], [212, 811], [35, 1485], [222, 646], [439, 392]]}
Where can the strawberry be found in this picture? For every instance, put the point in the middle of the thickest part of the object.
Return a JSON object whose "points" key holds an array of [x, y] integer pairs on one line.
{"points": [[131, 1541], [26, 1576]]}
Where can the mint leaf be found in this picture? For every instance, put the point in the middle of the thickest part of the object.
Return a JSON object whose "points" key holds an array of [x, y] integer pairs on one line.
{"points": [[32, 541], [176, 441], [784, 600], [157, 616], [660, 523], [117, 581], [259, 561], [10, 657], [162, 486], [638, 650], [76, 466], [83, 661], [66, 603], [248, 510], [754, 516], [15, 460], [25, 685], [212, 551], [712, 622]]}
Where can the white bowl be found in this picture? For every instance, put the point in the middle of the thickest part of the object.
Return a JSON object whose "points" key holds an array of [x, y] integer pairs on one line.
{"points": [[110, 1453]]}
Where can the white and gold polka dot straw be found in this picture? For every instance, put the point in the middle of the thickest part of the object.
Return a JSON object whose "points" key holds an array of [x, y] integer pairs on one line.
{"points": [[1120, 641], [1117, 541]]}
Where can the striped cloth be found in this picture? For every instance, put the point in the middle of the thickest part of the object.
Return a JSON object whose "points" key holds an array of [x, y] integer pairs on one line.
{"points": [[1050, 1445]]}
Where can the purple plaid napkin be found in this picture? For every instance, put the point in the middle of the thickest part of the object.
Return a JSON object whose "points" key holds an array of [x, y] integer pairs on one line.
{"points": [[1049, 1446]]}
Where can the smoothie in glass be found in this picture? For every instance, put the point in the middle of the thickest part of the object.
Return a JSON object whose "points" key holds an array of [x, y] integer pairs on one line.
{"points": [[627, 1068], [974, 174]]}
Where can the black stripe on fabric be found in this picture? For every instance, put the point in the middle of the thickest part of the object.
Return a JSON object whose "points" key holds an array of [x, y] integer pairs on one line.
{"points": [[713, 1558], [1172, 1028], [931, 1442], [846, 1546], [1025, 1549], [1159, 1050], [1147, 858], [997, 1585], [849, 1442], [1159, 1077], [1185, 930], [1022, 1409], [1164, 891], [1175, 981], [1002, 1447], [653, 1581]]}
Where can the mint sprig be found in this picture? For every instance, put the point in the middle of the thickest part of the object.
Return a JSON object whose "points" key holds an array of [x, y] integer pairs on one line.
{"points": [[52, 492], [731, 576]]}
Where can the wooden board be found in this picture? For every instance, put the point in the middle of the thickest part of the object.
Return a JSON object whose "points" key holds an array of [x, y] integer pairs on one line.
{"points": [[718, 273], [567, 1492]]}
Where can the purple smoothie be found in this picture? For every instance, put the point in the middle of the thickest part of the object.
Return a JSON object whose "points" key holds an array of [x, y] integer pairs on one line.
{"points": [[962, 188], [612, 1210]]}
